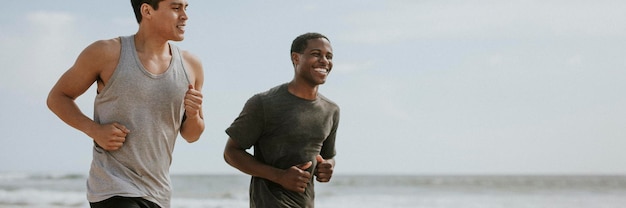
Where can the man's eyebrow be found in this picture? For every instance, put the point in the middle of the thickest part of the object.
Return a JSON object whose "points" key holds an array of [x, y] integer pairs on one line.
{"points": [[319, 50], [178, 4]]}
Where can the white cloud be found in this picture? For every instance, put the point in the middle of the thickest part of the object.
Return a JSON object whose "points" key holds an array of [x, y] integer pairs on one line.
{"points": [[39, 51], [50, 20], [52, 34]]}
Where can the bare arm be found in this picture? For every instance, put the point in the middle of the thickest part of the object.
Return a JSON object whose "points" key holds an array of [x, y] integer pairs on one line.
{"points": [[295, 178], [88, 68], [193, 122]]}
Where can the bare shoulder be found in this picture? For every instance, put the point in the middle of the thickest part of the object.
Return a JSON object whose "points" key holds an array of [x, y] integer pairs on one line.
{"points": [[103, 50], [95, 63], [192, 60], [98, 60], [195, 70]]}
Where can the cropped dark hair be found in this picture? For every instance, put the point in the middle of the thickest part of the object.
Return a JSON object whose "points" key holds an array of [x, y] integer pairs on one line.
{"points": [[137, 6], [301, 42]]}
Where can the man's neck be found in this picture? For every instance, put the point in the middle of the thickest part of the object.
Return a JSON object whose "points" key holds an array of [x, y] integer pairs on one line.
{"points": [[146, 43], [302, 90], [154, 54]]}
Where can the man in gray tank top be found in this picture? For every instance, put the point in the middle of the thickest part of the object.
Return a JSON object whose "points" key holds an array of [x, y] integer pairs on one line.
{"points": [[148, 93], [292, 128]]}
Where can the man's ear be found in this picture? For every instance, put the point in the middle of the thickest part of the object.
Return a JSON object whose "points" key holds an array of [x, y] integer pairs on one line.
{"points": [[295, 58], [146, 10]]}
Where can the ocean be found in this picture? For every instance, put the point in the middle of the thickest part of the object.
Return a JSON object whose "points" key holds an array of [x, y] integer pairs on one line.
{"points": [[348, 191]]}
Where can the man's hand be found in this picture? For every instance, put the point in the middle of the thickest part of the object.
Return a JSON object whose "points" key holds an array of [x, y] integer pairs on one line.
{"points": [[193, 102], [296, 178], [110, 136], [324, 169]]}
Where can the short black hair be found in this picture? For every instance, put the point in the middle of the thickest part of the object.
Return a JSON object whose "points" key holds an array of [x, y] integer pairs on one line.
{"points": [[301, 42], [137, 6]]}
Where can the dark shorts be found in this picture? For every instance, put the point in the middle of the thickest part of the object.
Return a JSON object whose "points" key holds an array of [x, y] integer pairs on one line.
{"points": [[124, 202]]}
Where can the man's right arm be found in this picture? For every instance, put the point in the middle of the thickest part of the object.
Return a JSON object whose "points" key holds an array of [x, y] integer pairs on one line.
{"points": [[294, 178], [87, 69]]}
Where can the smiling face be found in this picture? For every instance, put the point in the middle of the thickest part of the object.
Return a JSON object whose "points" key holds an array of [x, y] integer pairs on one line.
{"points": [[313, 65], [169, 19]]}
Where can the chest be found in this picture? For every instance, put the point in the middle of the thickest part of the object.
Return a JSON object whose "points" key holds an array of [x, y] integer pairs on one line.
{"points": [[311, 122], [155, 64]]}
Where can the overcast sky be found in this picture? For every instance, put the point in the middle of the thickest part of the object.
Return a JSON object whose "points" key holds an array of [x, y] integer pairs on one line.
{"points": [[425, 87]]}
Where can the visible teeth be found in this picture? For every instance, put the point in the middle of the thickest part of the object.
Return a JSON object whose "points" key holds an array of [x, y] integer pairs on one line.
{"points": [[322, 70]]}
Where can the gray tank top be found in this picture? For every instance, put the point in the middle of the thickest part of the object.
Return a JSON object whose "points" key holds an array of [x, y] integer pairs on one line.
{"points": [[151, 107]]}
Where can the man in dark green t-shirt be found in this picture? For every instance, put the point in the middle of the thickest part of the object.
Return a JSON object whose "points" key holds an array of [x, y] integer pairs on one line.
{"points": [[292, 129]]}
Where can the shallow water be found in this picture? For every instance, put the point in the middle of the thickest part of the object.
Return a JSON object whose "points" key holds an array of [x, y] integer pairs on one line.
{"points": [[213, 191]]}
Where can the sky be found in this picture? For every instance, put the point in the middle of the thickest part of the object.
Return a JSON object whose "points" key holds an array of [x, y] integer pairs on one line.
{"points": [[424, 87]]}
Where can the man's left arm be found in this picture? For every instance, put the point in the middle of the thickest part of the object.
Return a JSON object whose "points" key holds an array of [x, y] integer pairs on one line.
{"points": [[193, 120], [325, 166]]}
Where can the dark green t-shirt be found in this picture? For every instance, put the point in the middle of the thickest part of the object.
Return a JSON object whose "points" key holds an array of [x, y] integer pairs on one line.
{"points": [[285, 130]]}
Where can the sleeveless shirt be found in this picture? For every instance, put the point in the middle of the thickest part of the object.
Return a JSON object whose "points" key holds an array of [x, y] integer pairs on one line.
{"points": [[151, 107]]}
